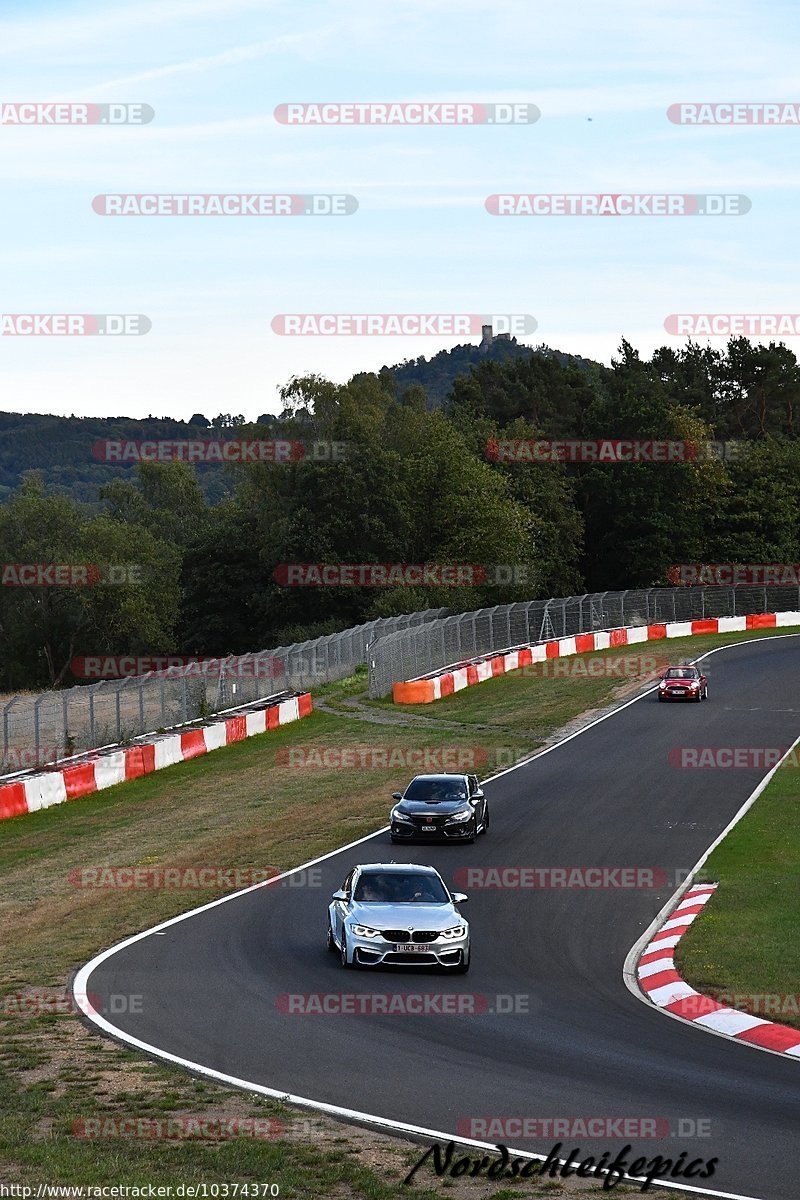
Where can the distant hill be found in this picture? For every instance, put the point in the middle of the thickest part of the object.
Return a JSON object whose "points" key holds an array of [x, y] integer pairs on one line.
{"points": [[436, 374], [63, 450]]}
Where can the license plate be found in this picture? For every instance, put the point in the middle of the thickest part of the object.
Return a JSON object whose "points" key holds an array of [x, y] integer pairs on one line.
{"points": [[428, 828], [410, 947]]}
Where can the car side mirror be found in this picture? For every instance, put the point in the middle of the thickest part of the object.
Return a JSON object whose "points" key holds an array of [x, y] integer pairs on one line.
{"points": [[477, 795], [459, 898], [397, 795], [340, 895]]}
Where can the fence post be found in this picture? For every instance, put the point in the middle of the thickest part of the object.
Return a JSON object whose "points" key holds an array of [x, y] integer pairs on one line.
{"points": [[91, 718]]}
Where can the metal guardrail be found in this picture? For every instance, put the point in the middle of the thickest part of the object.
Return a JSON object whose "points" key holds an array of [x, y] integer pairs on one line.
{"points": [[410, 653], [41, 728]]}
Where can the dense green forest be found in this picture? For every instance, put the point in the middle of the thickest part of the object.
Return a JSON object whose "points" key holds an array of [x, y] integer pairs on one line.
{"points": [[416, 486]]}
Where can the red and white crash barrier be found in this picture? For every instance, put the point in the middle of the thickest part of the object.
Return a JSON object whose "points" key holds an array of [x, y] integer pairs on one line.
{"points": [[666, 988], [45, 788], [444, 683]]}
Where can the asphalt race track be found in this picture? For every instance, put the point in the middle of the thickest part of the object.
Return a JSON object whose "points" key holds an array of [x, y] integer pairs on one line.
{"points": [[586, 1047]]}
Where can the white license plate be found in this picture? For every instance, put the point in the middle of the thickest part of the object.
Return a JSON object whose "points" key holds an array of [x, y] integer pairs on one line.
{"points": [[406, 947], [428, 828]]}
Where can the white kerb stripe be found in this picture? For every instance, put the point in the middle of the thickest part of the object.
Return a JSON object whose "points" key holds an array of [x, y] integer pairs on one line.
{"points": [[728, 1020], [686, 919], [670, 992], [167, 752], [787, 618], [602, 640], [289, 710], [659, 943], [256, 722], [42, 791], [460, 680], [731, 624], [566, 646], [638, 634], [215, 736], [653, 968], [679, 629], [109, 769]]}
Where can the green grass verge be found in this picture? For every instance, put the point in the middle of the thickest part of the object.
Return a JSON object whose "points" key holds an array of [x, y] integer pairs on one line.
{"points": [[745, 951], [245, 806]]}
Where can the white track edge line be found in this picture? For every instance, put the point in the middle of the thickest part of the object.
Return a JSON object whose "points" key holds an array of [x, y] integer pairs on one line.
{"points": [[80, 981]]}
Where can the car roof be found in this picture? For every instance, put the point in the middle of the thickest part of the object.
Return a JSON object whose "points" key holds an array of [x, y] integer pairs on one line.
{"points": [[683, 667], [396, 867], [443, 777]]}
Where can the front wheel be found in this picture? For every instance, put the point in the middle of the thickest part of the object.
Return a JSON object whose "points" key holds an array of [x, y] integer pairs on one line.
{"points": [[705, 693], [330, 944], [343, 952], [486, 819]]}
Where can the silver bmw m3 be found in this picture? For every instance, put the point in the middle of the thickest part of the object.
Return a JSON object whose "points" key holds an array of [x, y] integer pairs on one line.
{"points": [[398, 914]]}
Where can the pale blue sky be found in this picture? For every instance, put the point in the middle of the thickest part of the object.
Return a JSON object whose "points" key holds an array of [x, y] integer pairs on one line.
{"points": [[214, 71]]}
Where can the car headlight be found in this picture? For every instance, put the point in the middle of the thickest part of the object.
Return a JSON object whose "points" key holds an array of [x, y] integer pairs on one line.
{"points": [[662, 685], [694, 685], [462, 816], [365, 931], [397, 815], [450, 935]]}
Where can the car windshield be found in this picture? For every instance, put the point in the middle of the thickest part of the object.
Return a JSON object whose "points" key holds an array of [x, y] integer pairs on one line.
{"points": [[681, 673], [435, 790], [400, 887]]}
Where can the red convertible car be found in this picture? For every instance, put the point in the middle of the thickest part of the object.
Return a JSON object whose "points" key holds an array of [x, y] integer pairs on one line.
{"points": [[683, 683]]}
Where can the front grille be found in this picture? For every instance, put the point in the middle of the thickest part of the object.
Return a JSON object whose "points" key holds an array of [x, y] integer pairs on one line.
{"points": [[415, 959], [402, 935]]}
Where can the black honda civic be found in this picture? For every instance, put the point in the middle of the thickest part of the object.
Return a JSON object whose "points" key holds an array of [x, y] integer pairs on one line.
{"points": [[444, 808]]}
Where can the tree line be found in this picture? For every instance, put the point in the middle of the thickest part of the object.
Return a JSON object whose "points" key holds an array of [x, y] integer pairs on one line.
{"points": [[416, 485]]}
